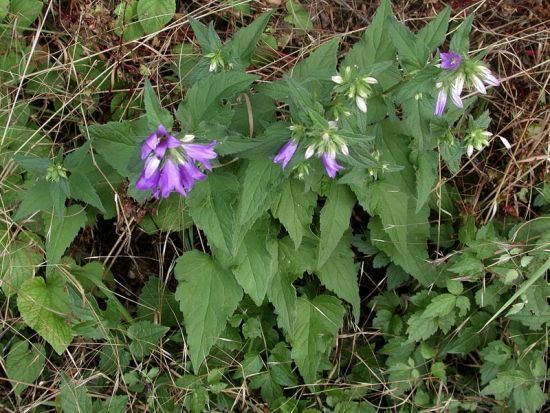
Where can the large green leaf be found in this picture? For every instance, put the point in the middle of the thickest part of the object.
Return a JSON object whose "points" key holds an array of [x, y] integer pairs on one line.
{"points": [[156, 114], [43, 307], [154, 14], [314, 333], [210, 206], [319, 65], [24, 365], [62, 231], [282, 295], [339, 275], [208, 295], [334, 220], [74, 398], [204, 99], [18, 262], [145, 336], [433, 34], [294, 208], [243, 43], [257, 261]]}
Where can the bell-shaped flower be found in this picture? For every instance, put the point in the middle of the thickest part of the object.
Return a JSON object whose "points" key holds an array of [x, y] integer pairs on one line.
{"points": [[331, 166], [286, 153]]}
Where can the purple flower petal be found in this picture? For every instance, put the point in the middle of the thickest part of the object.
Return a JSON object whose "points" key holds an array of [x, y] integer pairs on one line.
{"points": [[286, 153], [170, 180], [149, 145], [456, 90], [201, 153], [151, 166], [190, 174], [441, 102], [161, 130], [450, 60], [331, 166], [146, 183]]}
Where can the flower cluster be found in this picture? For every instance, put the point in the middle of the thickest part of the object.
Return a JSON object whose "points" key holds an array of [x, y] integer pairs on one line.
{"points": [[459, 72], [327, 143], [357, 88], [171, 164], [477, 139]]}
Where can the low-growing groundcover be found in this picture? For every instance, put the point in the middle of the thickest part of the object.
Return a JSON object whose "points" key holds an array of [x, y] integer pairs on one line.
{"points": [[201, 235]]}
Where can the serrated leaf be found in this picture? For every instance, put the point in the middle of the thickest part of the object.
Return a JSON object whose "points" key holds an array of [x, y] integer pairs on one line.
{"points": [[74, 398], [334, 219], [145, 336], [154, 14], [433, 34], [18, 263], [339, 275], [426, 177], [210, 206], [282, 295], [412, 53], [157, 302], [297, 15], [83, 190], [243, 44], [257, 261], [421, 327], [24, 365], [258, 192], [314, 331], [207, 295], [156, 114], [37, 198], [39, 304], [294, 208], [460, 42], [62, 231], [26, 11], [205, 96], [319, 65], [441, 305]]}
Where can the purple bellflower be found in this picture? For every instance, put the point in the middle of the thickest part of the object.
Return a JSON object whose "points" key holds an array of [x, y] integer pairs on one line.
{"points": [[460, 72], [286, 153], [171, 164]]}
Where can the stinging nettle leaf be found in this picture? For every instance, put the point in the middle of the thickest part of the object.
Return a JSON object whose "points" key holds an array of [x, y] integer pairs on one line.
{"points": [[154, 14], [208, 295]]}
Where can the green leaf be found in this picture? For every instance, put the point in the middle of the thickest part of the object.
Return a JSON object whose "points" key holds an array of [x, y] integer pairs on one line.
{"points": [[282, 295], [433, 34], [319, 65], [258, 192], [334, 220], [145, 336], [118, 144], [426, 177], [113, 404], [257, 261], [294, 208], [40, 305], [210, 206], [297, 15], [24, 365], [170, 215], [421, 326], [62, 231], [154, 14], [205, 96], [206, 36], [243, 44], [156, 114], [18, 263], [314, 331], [33, 164], [157, 302], [441, 305], [460, 42], [26, 11], [83, 190], [4, 8], [339, 275], [73, 398], [412, 54], [207, 295], [37, 198]]}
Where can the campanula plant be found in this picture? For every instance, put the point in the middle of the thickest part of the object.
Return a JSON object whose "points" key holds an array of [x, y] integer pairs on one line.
{"points": [[279, 196]]}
